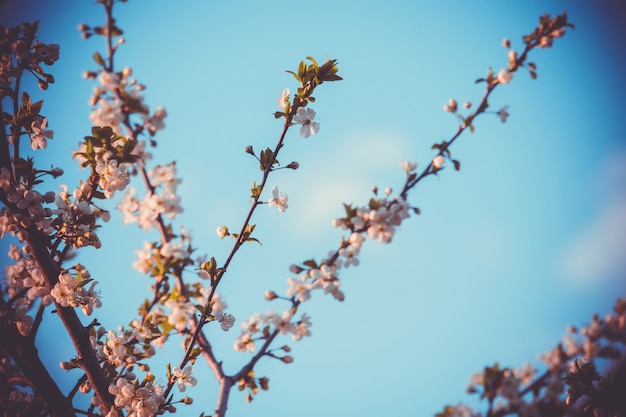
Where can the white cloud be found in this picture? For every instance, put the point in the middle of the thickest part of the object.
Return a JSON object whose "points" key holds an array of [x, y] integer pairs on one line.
{"points": [[372, 157], [599, 250]]}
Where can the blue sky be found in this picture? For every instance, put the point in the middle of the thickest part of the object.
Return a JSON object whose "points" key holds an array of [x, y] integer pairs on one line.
{"points": [[527, 238]]}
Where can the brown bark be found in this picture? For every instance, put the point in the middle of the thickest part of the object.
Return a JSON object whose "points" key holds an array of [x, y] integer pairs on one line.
{"points": [[22, 350]]}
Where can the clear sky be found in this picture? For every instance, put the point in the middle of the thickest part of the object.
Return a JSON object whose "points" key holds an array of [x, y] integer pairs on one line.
{"points": [[527, 238]]}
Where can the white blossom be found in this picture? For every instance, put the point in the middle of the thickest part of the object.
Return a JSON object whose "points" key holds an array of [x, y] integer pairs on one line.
{"points": [[184, 378], [278, 200], [305, 116]]}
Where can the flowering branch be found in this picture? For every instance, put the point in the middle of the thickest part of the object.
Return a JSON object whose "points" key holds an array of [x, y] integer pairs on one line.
{"points": [[114, 152]]}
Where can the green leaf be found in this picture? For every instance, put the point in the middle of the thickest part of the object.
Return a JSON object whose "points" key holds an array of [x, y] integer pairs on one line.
{"points": [[35, 108], [255, 190], [195, 352], [98, 58], [311, 264], [200, 309], [296, 76], [302, 70]]}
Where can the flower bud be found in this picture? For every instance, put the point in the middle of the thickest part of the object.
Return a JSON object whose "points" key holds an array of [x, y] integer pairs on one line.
{"points": [[85, 387], [270, 295], [287, 359], [451, 106], [222, 232], [264, 382], [504, 76], [49, 197], [293, 165], [187, 400], [438, 161]]}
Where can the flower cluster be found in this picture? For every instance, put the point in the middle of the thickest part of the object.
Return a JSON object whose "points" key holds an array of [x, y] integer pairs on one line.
{"points": [[571, 378], [39, 134], [70, 291], [75, 220], [161, 201], [119, 95], [379, 219], [26, 208], [25, 277], [257, 328], [141, 400], [21, 51]]}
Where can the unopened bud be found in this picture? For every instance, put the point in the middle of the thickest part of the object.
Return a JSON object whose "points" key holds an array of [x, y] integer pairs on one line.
{"points": [[105, 215], [506, 43], [438, 161], [293, 165], [250, 149], [222, 232], [49, 197], [85, 387], [286, 348], [187, 400], [451, 106], [295, 269], [264, 382], [270, 295], [66, 366], [287, 359]]}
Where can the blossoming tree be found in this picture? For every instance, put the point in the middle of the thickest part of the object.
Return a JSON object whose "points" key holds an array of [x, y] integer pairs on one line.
{"points": [[112, 369]]}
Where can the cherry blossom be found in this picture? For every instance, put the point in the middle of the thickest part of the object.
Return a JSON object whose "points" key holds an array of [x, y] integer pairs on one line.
{"points": [[184, 378], [451, 106], [408, 166], [439, 161], [39, 135], [283, 99], [226, 321], [305, 118], [504, 76], [503, 114], [280, 201]]}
